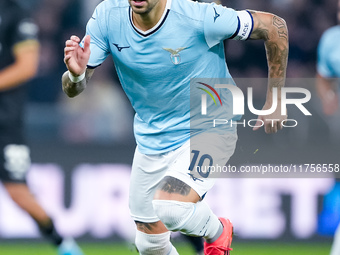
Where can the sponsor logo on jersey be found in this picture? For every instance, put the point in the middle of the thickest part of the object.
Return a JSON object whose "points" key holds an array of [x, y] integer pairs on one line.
{"points": [[120, 48], [175, 57], [216, 15]]}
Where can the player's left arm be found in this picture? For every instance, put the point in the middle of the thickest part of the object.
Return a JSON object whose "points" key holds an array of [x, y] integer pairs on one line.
{"points": [[24, 67], [273, 30]]}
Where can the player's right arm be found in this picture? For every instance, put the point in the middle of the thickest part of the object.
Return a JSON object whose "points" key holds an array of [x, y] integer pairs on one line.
{"points": [[223, 23], [74, 80]]}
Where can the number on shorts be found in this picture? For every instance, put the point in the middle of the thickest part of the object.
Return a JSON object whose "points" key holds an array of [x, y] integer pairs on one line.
{"points": [[203, 171]]}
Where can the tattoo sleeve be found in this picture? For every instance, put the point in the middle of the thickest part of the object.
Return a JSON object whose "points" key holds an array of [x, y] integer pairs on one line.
{"points": [[273, 30], [73, 89]]}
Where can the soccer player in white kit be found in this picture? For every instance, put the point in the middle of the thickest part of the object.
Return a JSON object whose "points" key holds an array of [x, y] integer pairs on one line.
{"points": [[158, 46]]}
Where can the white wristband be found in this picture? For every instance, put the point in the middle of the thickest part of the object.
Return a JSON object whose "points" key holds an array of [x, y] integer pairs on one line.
{"points": [[76, 79]]}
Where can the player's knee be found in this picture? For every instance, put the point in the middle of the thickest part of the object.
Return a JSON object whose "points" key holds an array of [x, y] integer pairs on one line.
{"points": [[149, 244], [173, 214]]}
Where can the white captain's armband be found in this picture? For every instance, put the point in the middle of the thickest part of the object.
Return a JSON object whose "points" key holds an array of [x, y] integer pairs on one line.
{"points": [[245, 26]]}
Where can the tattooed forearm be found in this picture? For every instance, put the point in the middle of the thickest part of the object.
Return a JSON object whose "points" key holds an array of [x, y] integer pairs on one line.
{"points": [[277, 59], [73, 89], [173, 185], [273, 30], [277, 49], [276, 83]]}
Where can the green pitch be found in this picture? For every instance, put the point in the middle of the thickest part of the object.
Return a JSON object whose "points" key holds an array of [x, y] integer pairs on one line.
{"points": [[261, 248]]}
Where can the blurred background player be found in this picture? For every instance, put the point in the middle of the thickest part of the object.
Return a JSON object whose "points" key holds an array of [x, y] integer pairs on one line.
{"points": [[19, 58], [328, 68]]}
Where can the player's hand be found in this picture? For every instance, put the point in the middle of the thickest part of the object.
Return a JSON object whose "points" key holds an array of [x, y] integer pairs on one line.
{"points": [[75, 57], [272, 122], [330, 103]]}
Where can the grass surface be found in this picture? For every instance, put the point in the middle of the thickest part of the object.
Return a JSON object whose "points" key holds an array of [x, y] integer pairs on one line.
{"points": [[272, 248]]}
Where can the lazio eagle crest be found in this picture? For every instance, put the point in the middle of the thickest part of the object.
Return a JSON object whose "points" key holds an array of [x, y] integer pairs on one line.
{"points": [[175, 57]]}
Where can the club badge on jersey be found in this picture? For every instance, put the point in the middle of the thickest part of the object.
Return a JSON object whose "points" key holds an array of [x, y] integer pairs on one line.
{"points": [[174, 54]]}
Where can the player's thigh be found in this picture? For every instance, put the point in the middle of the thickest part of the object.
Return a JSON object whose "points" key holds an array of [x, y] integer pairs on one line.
{"points": [[147, 172], [195, 165]]}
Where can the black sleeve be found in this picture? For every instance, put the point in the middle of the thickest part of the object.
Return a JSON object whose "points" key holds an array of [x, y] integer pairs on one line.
{"points": [[23, 27]]}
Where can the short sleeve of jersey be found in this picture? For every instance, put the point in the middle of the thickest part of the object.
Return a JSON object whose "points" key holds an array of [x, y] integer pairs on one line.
{"points": [[323, 66], [98, 46], [222, 23]]}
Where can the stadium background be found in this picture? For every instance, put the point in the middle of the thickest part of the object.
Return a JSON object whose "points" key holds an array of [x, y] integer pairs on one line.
{"points": [[82, 148]]}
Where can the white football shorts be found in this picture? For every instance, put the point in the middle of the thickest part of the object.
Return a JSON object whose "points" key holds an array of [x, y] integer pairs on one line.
{"points": [[187, 163]]}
